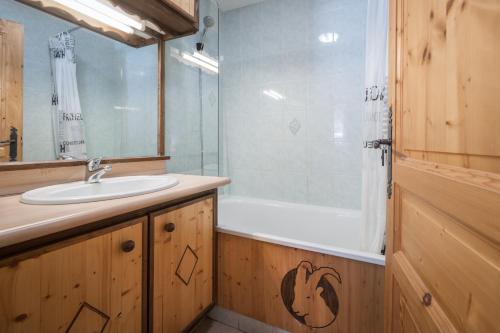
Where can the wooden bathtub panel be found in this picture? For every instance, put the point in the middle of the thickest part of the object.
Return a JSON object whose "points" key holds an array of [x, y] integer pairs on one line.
{"points": [[251, 274]]}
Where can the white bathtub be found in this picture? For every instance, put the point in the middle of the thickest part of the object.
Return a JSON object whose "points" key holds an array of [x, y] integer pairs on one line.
{"points": [[326, 230]]}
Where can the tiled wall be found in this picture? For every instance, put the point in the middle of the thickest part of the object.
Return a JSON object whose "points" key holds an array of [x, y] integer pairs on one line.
{"points": [[292, 91], [192, 102], [117, 85]]}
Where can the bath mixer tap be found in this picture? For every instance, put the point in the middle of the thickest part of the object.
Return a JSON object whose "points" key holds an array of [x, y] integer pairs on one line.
{"points": [[95, 171]]}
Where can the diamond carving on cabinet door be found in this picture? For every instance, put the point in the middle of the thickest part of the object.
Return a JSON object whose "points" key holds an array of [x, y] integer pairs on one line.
{"points": [[186, 266], [88, 319]]}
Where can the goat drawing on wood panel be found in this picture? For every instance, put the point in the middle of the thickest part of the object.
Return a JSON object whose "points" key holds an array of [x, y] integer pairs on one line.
{"points": [[309, 295]]}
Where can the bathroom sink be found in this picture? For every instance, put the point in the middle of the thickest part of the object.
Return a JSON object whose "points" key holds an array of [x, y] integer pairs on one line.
{"points": [[108, 188]]}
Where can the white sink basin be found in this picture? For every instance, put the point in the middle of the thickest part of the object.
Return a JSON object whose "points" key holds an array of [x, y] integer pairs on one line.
{"points": [[108, 188]]}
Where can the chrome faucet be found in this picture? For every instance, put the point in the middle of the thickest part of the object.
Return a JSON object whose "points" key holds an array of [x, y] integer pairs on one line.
{"points": [[95, 171]]}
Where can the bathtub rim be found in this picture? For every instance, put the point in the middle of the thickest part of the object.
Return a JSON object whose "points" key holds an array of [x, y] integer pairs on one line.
{"points": [[358, 255], [224, 198], [372, 258]]}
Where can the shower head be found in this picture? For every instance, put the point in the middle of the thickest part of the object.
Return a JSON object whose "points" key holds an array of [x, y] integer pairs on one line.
{"points": [[208, 22]]}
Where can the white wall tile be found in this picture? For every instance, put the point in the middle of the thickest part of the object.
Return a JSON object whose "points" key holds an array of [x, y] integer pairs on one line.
{"points": [[274, 45]]}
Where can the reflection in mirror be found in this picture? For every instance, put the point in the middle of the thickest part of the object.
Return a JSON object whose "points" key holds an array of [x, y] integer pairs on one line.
{"points": [[192, 97], [88, 96]]}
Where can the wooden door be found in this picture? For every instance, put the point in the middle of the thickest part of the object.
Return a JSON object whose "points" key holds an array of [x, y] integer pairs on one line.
{"points": [[11, 86], [91, 285], [182, 285], [443, 256]]}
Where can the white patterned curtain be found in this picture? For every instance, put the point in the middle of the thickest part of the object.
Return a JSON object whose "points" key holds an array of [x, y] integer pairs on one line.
{"points": [[68, 125], [375, 126]]}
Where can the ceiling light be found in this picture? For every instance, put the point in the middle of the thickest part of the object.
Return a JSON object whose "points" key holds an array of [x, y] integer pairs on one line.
{"points": [[273, 94], [329, 37], [102, 13], [113, 13], [200, 63], [206, 59], [125, 108]]}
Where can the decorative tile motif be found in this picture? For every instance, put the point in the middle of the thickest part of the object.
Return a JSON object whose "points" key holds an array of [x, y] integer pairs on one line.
{"points": [[88, 318], [212, 99], [294, 126], [187, 265]]}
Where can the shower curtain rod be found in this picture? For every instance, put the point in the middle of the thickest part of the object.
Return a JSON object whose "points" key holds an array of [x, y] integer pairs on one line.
{"points": [[72, 29]]}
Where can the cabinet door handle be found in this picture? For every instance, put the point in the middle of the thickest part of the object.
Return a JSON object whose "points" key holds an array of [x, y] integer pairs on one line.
{"points": [[427, 299], [128, 246], [169, 227]]}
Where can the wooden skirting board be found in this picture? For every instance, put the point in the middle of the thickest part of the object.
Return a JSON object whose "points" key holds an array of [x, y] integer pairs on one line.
{"points": [[297, 290]]}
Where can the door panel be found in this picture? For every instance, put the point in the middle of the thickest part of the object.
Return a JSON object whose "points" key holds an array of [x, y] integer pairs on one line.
{"points": [[408, 324], [444, 217], [455, 265], [430, 317], [451, 79], [11, 85], [182, 265]]}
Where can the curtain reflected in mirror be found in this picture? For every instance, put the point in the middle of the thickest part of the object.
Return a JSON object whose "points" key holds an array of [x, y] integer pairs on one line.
{"points": [[70, 93]]}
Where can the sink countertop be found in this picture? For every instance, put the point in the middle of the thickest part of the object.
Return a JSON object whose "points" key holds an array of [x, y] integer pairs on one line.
{"points": [[21, 222]]}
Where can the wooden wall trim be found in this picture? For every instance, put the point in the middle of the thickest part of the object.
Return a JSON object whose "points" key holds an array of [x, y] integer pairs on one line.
{"points": [[161, 99], [19, 181], [12, 166]]}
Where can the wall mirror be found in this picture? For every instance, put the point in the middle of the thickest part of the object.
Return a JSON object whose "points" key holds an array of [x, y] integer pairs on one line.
{"points": [[74, 88]]}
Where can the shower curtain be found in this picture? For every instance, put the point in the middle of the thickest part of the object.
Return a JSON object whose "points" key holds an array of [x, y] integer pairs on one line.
{"points": [[67, 118], [375, 126]]}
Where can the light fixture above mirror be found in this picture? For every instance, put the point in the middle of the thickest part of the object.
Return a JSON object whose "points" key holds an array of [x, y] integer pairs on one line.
{"points": [[104, 13], [136, 23]]}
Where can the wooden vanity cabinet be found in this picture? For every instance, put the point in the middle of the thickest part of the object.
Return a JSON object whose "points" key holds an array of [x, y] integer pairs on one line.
{"points": [[182, 265], [150, 274], [91, 283]]}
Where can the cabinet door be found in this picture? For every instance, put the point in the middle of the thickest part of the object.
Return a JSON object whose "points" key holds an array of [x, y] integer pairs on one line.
{"points": [[182, 265], [188, 6], [91, 285], [443, 253]]}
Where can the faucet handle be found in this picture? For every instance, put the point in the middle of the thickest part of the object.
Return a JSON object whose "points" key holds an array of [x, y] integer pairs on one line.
{"points": [[94, 163]]}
